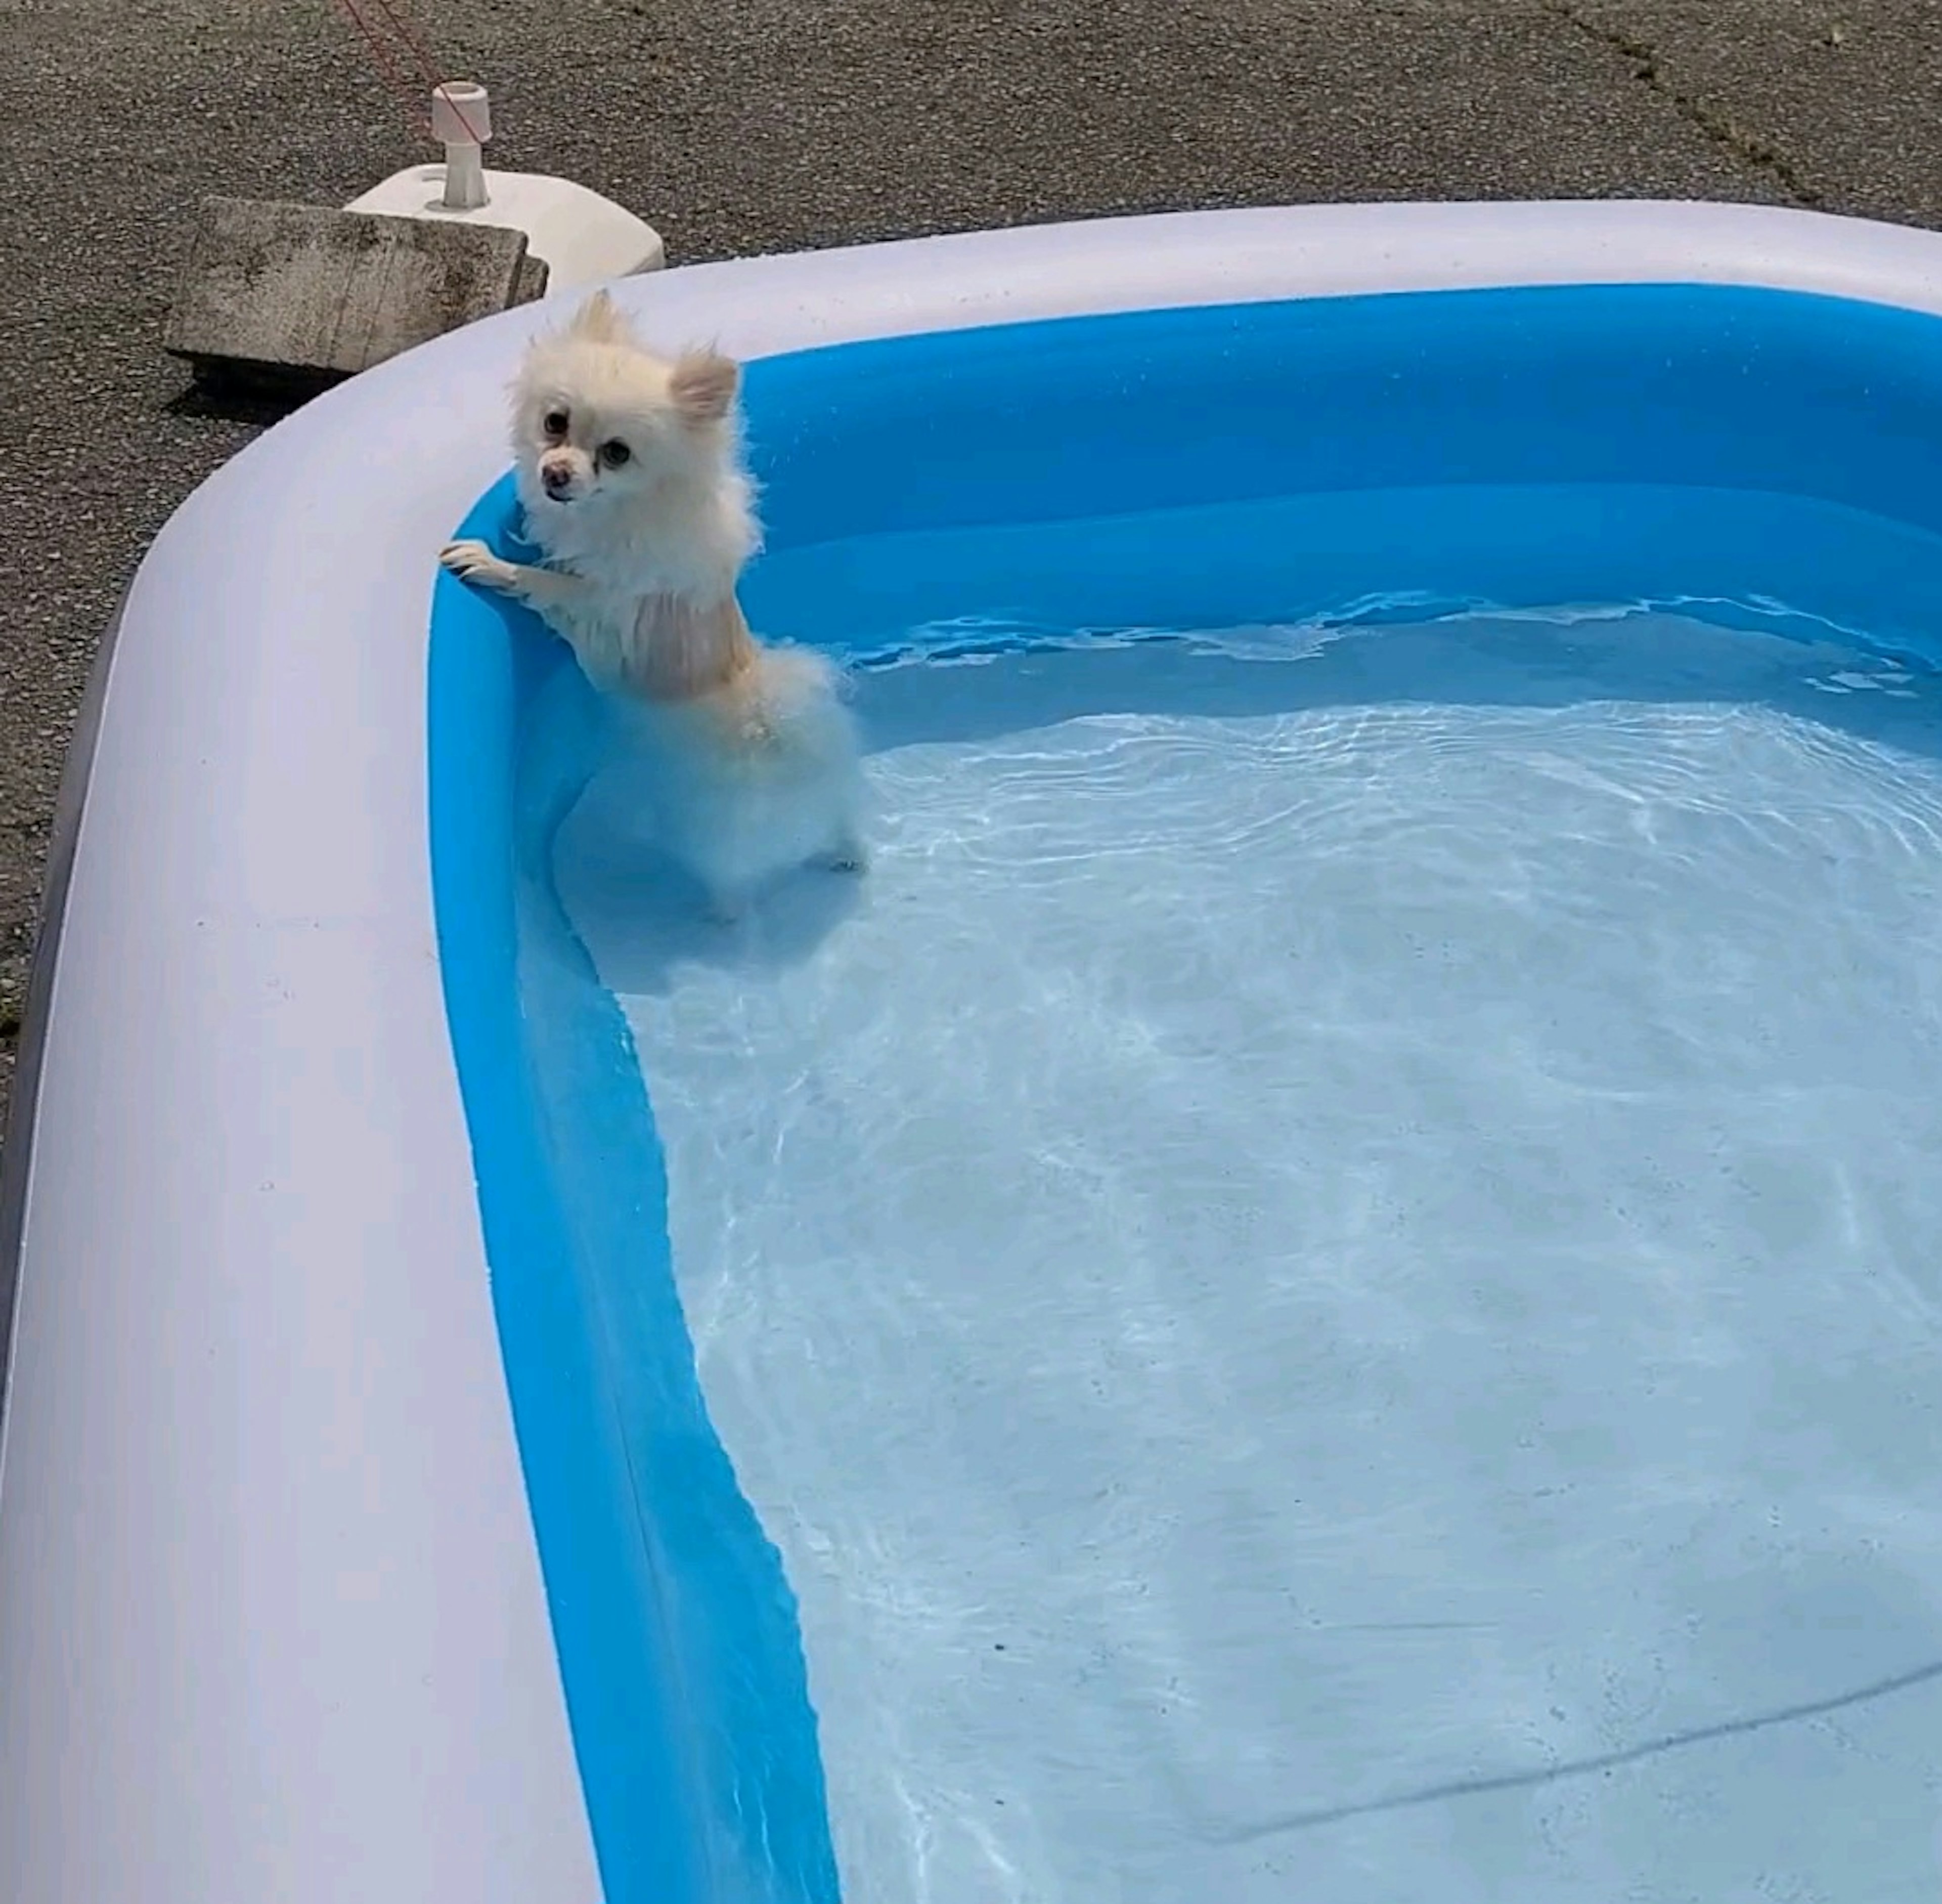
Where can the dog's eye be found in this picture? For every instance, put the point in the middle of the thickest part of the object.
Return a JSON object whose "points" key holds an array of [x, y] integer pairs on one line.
{"points": [[615, 453], [554, 423]]}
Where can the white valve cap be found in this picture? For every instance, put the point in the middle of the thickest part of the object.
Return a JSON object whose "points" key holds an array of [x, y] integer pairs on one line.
{"points": [[461, 114]]}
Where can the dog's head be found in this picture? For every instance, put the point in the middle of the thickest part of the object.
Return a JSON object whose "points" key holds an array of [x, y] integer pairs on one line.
{"points": [[599, 421]]}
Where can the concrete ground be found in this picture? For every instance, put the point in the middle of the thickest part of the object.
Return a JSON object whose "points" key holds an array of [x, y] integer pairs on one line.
{"points": [[745, 125]]}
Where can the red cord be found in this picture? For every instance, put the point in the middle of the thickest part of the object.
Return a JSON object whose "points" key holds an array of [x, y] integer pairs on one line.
{"points": [[385, 56]]}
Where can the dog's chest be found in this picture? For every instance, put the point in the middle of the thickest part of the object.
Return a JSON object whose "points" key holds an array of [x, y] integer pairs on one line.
{"points": [[601, 626]]}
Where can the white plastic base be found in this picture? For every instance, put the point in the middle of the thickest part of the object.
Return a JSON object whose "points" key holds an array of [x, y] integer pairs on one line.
{"points": [[584, 238]]}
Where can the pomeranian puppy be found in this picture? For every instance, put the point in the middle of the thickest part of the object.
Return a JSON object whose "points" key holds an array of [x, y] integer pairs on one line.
{"points": [[629, 472]]}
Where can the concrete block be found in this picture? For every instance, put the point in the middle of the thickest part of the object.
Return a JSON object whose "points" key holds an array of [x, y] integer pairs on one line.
{"points": [[309, 294]]}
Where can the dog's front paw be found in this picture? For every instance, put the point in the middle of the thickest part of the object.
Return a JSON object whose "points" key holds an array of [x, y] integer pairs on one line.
{"points": [[474, 562]]}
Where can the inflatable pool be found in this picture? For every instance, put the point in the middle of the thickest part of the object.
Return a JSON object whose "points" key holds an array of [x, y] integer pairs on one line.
{"points": [[364, 1530]]}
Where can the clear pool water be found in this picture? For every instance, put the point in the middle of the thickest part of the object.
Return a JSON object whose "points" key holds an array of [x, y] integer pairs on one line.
{"points": [[1328, 1283], [1324, 1286]]}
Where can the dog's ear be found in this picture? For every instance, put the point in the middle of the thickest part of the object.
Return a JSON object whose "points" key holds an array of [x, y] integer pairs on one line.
{"points": [[600, 321], [703, 386]]}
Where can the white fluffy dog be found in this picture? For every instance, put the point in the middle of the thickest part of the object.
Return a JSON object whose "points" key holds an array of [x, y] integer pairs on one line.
{"points": [[629, 471]]}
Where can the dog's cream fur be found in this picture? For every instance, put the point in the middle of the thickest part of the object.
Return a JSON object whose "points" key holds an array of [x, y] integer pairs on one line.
{"points": [[629, 472]]}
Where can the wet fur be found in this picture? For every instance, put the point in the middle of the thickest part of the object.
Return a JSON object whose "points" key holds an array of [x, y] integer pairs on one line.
{"points": [[641, 548]]}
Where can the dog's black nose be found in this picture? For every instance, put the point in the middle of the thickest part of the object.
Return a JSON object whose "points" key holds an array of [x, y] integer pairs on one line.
{"points": [[556, 479]]}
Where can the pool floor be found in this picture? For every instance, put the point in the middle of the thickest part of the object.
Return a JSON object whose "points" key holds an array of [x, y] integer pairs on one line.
{"points": [[1329, 1279]]}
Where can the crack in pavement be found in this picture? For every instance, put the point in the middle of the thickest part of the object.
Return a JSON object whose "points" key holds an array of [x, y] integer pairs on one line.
{"points": [[1752, 148]]}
